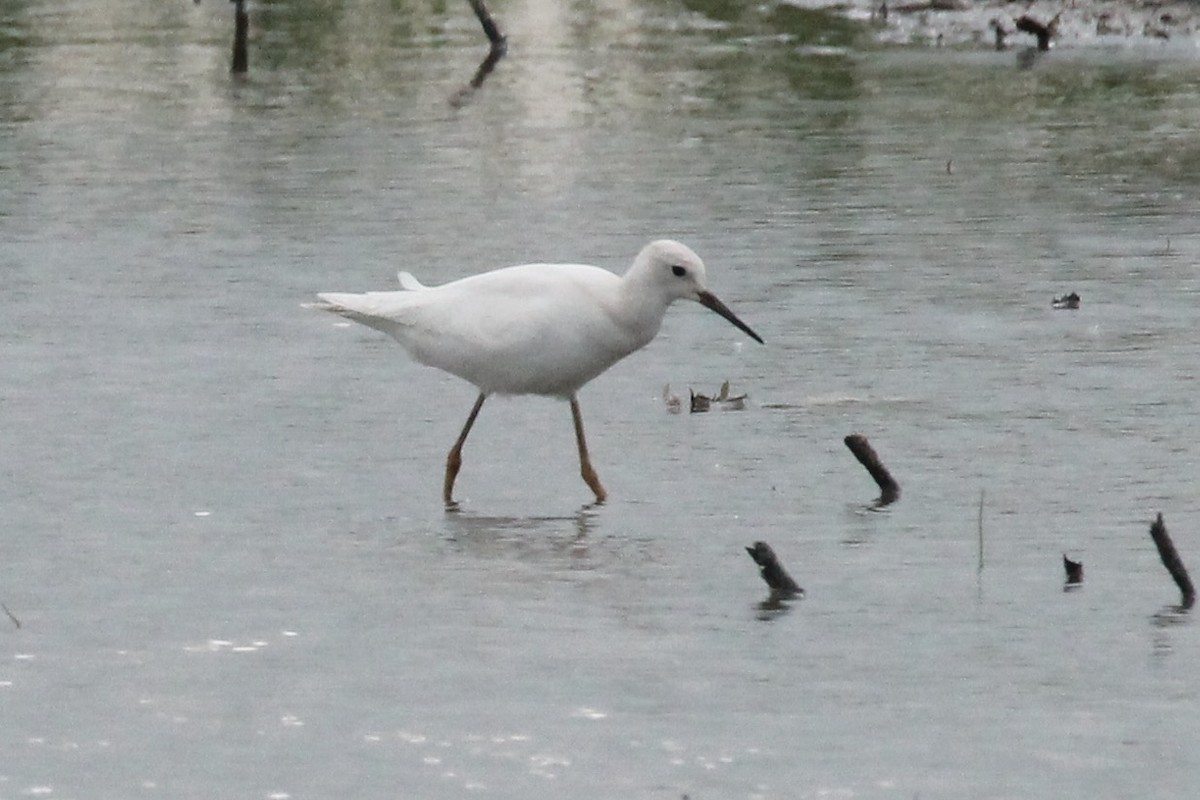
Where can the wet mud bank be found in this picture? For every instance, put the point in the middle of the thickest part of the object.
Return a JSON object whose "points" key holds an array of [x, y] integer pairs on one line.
{"points": [[995, 23]]}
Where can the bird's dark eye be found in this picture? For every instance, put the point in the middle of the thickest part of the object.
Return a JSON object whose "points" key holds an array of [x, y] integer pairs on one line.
{"points": [[678, 271]]}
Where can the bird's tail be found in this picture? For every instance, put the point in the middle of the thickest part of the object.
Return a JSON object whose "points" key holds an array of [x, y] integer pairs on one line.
{"points": [[362, 308], [358, 305]]}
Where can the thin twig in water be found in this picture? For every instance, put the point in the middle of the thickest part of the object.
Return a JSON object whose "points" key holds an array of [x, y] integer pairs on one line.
{"points": [[15, 621], [979, 569]]}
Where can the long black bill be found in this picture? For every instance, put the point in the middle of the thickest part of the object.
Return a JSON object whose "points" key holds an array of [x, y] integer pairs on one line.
{"points": [[710, 301]]}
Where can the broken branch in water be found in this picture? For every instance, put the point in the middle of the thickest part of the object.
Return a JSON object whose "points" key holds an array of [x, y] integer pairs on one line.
{"points": [[1068, 301], [1172, 561], [499, 48], [490, 28], [782, 585], [862, 450], [1044, 33]]}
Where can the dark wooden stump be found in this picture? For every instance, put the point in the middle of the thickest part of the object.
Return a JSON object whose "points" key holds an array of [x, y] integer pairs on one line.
{"points": [[241, 27], [1172, 561], [782, 585], [1074, 571], [862, 450]]}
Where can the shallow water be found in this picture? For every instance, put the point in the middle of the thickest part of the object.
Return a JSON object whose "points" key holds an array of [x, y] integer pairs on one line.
{"points": [[224, 541]]}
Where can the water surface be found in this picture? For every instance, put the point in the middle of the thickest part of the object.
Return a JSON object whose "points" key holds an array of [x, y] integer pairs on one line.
{"points": [[224, 542]]}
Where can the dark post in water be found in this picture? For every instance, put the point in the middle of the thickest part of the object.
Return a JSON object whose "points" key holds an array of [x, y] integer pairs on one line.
{"points": [[1172, 561], [889, 489], [782, 585], [241, 25], [1074, 571]]}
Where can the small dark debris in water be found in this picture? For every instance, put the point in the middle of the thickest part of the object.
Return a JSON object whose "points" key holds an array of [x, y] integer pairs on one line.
{"points": [[729, 402], [674, 404], [1172, 561], [1069, 301], [1110, 24], [1043, 32], [1155, 32], [930, 5], [862, 450], [1001, 34], [723, 400], [781, 584], [1074, 571]]}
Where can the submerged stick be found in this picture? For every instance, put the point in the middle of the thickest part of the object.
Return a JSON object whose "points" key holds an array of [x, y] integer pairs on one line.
{"points": [[1172, 561], [862, 450], [10, 615], [782, 585]]}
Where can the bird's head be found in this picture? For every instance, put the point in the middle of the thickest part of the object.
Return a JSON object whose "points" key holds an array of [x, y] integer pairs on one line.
{"points": [[677, 272]]}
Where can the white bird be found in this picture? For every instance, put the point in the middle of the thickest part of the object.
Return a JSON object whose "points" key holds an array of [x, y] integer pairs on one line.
{"points": [[543, 329]]}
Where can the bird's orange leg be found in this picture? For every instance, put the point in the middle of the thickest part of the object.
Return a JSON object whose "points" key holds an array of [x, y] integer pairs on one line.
{"points": [[454, 460], [585, 463]]}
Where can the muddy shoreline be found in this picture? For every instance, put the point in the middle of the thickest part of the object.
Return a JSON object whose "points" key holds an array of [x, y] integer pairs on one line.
{"points": [[1083, 23]]}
